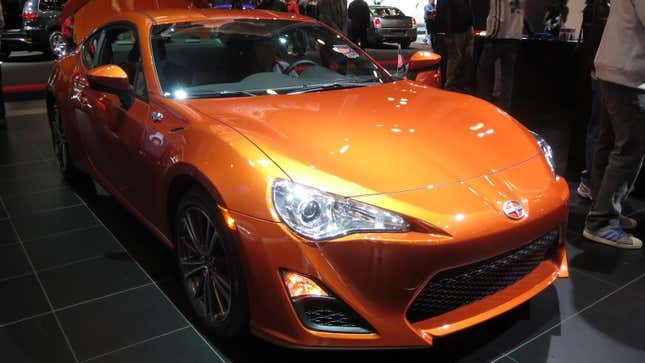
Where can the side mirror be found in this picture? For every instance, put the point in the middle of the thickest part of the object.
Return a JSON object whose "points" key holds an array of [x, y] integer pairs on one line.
{"points": [[424, 59], [425, 67], [112, 79]]}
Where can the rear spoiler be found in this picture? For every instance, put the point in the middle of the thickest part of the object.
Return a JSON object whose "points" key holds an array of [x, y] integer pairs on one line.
{"points": [[90, 14]]}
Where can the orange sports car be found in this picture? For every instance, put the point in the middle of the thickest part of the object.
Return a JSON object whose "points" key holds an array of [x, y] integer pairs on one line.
{"points": [[310, 198]]}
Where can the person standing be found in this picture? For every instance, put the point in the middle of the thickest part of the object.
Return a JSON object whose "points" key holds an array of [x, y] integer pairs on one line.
{"points": [[334, 14], [359, 15], [619, 153], [309, 8], [429, 17], [455, 19], [292, 7], [594, 20], [275, 5], [3, 121], [503, 34]]}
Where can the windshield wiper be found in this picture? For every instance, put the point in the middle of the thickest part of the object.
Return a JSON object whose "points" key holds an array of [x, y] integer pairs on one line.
{"points": [[225, 94], [332, 86]]}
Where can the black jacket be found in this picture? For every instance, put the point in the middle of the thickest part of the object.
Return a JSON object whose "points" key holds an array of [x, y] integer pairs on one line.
{"points": [[359, 14], [594, 19], [333, 13], [454, 16], [276, 5]]}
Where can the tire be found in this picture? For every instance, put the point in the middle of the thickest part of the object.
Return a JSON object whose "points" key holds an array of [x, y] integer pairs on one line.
{"points": [[405, 44], [209, 266], [56, 45], [59, 141]]}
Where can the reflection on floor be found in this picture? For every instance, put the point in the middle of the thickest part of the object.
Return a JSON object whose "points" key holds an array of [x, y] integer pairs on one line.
{"points": [[82, 280]]}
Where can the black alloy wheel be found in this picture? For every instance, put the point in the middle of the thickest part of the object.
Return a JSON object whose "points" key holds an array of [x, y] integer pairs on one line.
{"points": [[57, 44], [209, 265]]}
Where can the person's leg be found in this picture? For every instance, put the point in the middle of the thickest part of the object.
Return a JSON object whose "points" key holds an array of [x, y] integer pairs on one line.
{"points": [[593, 126], [486, 71], [3, 121], [451, 49], [509, 57], [468, 62], [603, 146], [593, 129], [626, 109], [363, 39]]}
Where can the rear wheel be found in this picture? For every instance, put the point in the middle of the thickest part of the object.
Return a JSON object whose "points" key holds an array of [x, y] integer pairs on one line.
{"points": [[210, 267], [59, 141], [405, 44]]}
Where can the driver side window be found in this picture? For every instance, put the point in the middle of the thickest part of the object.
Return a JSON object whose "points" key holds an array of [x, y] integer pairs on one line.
{"points": [[121, 47]]}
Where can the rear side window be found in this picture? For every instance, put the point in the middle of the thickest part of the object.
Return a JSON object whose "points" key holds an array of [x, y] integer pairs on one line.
{"points": [[56, 5], [385, 12]]}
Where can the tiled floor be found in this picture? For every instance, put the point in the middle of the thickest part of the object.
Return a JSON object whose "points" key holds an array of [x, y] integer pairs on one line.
{"points": [[69, 290], [81, 280]]}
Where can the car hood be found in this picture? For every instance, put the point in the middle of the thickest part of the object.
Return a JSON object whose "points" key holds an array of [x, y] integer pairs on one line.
{"points": [[388, 138]]}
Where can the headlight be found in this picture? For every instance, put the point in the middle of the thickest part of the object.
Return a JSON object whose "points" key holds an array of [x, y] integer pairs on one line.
{"points": [[318, 215], [546, 150]]}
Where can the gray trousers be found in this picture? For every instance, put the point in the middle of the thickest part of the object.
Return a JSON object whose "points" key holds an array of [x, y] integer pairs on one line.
{"points": [[618, 154], [506, 51]]}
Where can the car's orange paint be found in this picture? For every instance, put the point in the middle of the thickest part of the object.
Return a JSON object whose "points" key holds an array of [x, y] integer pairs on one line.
{"points": [[423, 59], [446, 159]]}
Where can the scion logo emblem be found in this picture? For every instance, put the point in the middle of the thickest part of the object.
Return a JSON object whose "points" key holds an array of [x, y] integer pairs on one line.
{"points": [[514, 210]]}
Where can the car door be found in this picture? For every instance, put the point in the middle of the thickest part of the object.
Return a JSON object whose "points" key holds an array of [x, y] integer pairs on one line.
{"points": [[114, 131]]}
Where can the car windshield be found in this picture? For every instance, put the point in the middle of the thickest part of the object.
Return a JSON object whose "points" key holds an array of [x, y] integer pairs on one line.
{"points": [[250, 57], [385, 12]]}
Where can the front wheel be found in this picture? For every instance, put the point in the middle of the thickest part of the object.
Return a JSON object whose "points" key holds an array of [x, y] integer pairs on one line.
{"points": [[210, 267]]}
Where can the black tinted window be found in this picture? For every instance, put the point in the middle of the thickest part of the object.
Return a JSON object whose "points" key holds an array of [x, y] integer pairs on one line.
{"points": [[385, 12], [90, 50], [121, 48], [52, 4]]}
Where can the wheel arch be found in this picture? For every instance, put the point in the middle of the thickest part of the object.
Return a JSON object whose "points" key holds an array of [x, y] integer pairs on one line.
{"points": [[184, 178]]}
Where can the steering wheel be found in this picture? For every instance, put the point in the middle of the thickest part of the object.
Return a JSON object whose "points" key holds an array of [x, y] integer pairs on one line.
{"points": [[293, 65]]}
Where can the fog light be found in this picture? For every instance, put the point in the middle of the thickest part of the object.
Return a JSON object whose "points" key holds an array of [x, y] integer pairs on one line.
{"points": [[300, 286]]}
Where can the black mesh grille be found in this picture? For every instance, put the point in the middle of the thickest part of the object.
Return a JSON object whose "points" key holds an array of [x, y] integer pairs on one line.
{"points": [[452, 289], [330, 314], [328, 317]]}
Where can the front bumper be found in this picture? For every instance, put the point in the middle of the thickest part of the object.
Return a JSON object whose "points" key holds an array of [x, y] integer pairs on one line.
{"points": [[379, 276]]}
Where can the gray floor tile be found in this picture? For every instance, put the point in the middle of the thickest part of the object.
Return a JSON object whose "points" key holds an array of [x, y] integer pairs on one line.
{"points": [[610, 331], [91, 279], [21, 206], [73, 246], [7, 234], [108, 324], [38, 340], [182, 346], [58, 221], [13, 261], [21, 298]]}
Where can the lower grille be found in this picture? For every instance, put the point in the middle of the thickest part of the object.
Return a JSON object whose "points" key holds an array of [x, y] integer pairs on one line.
{"points": [[331, 315], [452, 289]]}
